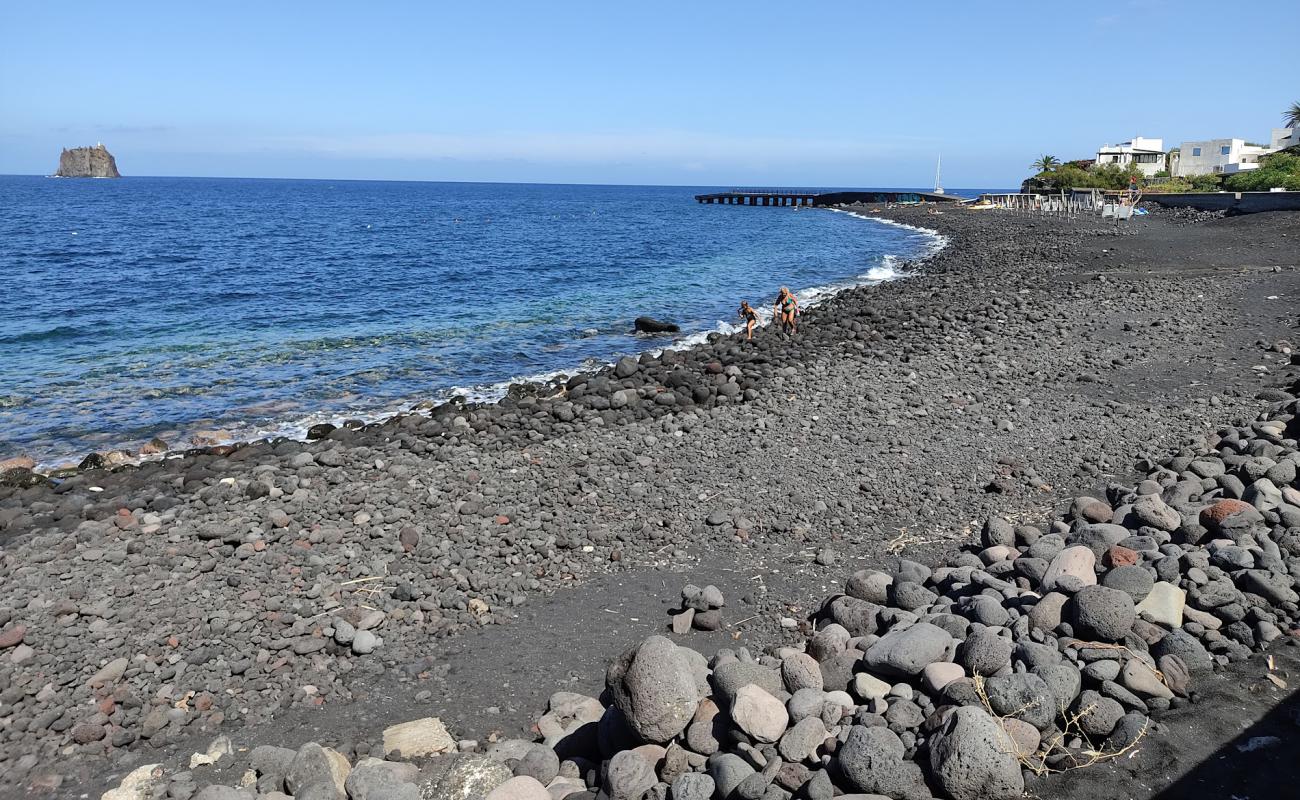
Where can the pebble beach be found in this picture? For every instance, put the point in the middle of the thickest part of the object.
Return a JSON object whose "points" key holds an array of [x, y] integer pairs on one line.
{"points": [[1003, 521]]}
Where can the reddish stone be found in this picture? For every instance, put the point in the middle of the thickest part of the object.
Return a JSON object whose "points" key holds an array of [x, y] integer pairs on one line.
{"points": [[124, 522], [12, 636], [204, 701], [502, 519], [1118, 556], [106, 705], [88, 732], [1212, 516], [302, 544]]}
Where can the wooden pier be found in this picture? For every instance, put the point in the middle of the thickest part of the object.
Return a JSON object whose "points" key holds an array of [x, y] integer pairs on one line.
{"points": [[818, 197]]}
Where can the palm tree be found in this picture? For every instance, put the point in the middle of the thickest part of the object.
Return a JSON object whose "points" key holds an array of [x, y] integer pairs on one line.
{"points": [[1291, 117], [1044, 163]]}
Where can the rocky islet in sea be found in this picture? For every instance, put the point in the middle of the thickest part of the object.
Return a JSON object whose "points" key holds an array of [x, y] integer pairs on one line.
{"points": [[229, 524], [87, 162]]}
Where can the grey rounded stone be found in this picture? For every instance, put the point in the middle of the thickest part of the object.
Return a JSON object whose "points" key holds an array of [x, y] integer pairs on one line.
{"points": [[872, 760], [654, 686], [802, 740], [1104, 713], [800, 671], [905, 653], [870, 585], [1022, 695], [693, 786], [627, 777], [1099, 612], [971, 758], [1187, 647], [985, 652], [1131, 579]]}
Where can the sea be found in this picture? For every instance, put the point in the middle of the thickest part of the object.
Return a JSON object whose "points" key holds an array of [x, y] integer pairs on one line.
{"points": [[161, 307]]}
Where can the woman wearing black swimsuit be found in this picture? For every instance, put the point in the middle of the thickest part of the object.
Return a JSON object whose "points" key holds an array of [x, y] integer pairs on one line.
{"points": [[750, 316]]}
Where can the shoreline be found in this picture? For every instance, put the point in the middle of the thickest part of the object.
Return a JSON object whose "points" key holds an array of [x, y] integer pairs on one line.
{"points": [[1004, 379], [471, 398]]}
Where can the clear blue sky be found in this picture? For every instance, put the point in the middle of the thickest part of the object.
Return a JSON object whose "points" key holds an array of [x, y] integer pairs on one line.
{"points": [[718, 92]]}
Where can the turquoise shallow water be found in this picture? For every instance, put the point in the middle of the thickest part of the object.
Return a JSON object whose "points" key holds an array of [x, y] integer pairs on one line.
{"points": [[159, 306]]}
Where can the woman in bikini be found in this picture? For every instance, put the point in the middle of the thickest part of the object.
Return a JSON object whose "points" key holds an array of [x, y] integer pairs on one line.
{"points": [[750, 316], [786, 309]]}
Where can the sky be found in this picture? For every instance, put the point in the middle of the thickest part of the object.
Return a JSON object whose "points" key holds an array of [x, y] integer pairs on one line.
{"points": [[717, 93]]}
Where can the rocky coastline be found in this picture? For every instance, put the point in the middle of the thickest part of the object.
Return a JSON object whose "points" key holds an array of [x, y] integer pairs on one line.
{"points": [[1031, 363]]}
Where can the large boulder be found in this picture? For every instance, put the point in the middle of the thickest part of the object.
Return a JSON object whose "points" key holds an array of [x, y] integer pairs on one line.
{"points": [[628, 776], [905, 653], [1077, 563], [654, 687], [985, 652], [1100, 612], [759, 714], [314, 764], [872, 760], [1023, 695], [972, 758]]}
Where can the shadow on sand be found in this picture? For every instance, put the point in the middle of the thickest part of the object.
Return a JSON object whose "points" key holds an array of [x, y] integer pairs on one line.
{"points": [[1239, 741]]}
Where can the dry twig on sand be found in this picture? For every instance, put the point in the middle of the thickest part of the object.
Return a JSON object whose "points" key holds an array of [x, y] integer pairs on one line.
{"points": [[1037, 761]]}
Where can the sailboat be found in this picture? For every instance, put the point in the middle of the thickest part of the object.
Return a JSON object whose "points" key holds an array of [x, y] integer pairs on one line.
{"points": [[938, 187]]}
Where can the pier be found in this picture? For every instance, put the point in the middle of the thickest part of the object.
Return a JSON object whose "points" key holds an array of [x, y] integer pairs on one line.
{"points": [[818, 197]]}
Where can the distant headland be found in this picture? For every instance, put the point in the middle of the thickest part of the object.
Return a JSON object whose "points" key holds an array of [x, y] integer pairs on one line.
{"points": [[87, 162]]}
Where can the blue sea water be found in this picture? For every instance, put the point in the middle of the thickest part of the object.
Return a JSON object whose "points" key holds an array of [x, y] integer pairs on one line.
{"points": [[160, 306]]}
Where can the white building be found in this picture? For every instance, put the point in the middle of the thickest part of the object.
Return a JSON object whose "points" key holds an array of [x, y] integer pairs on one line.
{"points": [[1147, 154], [1216, 156], [1226, 156], [1283, 138]]}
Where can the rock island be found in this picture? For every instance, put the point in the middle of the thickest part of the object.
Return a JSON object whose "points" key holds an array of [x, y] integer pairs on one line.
{"points": [[87, 162]]}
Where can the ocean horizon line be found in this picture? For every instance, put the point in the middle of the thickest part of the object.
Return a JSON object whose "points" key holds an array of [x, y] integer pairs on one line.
{"points": [[528, 183]]}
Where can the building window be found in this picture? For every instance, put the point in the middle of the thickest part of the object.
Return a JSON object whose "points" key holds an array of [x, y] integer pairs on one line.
{"points": [[1114, 159], [1196, 151], [1223, 151]]}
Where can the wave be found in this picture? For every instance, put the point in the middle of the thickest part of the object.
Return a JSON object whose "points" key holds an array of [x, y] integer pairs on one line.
{"points": [[57, 332]]}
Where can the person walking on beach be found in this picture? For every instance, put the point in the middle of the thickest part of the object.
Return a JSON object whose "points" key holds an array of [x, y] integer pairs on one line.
{"points": [[750, 316], [786, 309]]}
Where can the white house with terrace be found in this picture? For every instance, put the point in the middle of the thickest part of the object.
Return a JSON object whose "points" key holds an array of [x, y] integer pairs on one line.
{"points": [[1227, 156], [1147, 154]]}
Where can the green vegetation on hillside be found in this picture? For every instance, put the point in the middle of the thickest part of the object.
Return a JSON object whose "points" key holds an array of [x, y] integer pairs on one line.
{"points": [[1074, 176], [1276, 171], [1196, 183]]}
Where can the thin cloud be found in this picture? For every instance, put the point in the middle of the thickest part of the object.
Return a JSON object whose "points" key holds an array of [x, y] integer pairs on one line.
{"points": [[589, 148]]}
